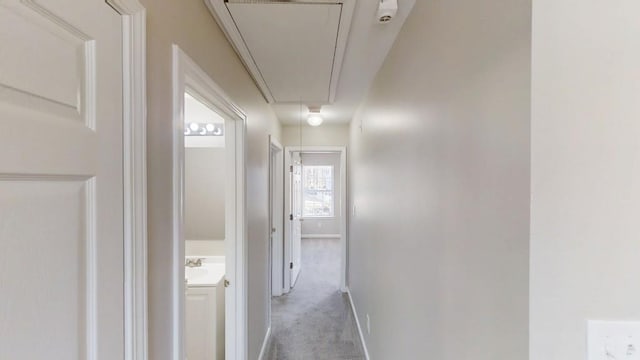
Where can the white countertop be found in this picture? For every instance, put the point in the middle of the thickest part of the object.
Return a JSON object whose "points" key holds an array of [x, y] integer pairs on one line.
{"points": [[209, 274]]}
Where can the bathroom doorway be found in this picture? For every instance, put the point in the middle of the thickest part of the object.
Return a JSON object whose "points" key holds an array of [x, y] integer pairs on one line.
{"points": [[204, 229], [209, 218]]}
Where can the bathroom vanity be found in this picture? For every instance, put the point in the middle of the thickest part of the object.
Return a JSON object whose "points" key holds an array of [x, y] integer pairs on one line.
{"points": [[204, 308]]}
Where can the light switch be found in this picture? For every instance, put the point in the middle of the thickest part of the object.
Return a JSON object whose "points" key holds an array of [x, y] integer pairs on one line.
{"points": [[613, 340]]}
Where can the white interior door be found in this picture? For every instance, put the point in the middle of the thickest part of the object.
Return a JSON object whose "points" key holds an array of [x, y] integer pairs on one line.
{"points": [[61, 180], [276, 199], [296, 217]]}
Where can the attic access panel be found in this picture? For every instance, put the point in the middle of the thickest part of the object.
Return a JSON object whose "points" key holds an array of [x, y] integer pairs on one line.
{"points": [[294, 49]]}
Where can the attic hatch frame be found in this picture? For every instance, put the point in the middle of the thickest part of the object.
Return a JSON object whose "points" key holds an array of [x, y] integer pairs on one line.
{"points": [[223, 17]]}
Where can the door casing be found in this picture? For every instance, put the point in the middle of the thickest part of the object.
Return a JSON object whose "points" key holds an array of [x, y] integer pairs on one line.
{"points": [[134, 106], [187, 75]]}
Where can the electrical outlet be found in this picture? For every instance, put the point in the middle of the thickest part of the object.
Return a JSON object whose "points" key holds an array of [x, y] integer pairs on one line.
{"points": [[613, 340], [368, 325]]}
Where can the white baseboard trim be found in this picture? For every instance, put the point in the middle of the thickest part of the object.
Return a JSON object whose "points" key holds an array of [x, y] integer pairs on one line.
{"points": [[355, 315], [265, 344], [321, 236]]}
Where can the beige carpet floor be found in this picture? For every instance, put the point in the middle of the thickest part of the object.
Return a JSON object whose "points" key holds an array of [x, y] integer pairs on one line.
{"points": [[314, 321]]}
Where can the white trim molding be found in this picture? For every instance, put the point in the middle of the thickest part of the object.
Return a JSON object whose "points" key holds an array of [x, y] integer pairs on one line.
{"points": [[321, 236], [189, 77], [265, 344], [134, 176], [355, 315], [128, 8]]}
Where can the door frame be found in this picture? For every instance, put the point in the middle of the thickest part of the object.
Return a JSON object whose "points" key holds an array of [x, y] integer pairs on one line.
{"points": [[342, 150], [134, 119], [188, 75], [276, 194]]}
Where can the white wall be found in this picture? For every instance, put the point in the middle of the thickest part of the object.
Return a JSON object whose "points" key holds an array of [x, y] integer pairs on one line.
{"points": [[323, 135], [585, 202], [204, 248], [190, 25], [439, 250], [204, 205], [325, 226]]}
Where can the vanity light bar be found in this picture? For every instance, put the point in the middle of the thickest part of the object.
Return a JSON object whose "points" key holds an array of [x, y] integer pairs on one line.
{"points": [[204, 129]]}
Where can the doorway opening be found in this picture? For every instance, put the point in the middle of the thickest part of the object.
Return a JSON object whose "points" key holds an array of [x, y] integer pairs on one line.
{"points": [[204, 229], [209, 218], [314, 208]]}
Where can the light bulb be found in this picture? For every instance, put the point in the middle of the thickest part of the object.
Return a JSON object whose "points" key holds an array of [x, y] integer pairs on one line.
{"points": [[194, 126], [210, 127], [314, 120]]}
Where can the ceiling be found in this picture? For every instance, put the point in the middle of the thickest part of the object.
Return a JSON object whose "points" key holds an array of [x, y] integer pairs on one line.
{"points": [[310, 52]]}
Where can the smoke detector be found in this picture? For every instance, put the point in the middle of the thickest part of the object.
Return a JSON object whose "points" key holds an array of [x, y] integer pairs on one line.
{"points": [[387, 9]]}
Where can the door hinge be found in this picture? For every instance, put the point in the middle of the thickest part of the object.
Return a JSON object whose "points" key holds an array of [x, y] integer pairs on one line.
{"points": [[226, 283], [290, 216], [290, 168], [291, 265]]}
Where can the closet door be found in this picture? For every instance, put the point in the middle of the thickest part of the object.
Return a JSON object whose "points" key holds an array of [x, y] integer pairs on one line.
{"points": [[61, 185]]}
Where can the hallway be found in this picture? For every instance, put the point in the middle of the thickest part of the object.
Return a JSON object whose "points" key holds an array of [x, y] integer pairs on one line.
{"points": [[160, 161], [314, 321]]}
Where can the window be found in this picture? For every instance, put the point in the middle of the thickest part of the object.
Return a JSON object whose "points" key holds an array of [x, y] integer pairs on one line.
{"points": [[317, 191]]}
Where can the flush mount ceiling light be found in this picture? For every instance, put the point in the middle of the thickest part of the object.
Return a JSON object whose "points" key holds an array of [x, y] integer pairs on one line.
{"points": [[204, 129], [314, 118]]}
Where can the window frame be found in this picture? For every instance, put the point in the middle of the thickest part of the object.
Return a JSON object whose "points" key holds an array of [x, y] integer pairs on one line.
{"points": [[333, 194]]}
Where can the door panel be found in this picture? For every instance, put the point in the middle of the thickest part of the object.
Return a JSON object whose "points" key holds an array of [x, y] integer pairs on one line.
{"points": [[42, 271], [27, 33], [61, 186]]}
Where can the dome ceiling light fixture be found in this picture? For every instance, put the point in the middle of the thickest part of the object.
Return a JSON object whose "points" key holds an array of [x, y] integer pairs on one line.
{"points": [[314, 118]]}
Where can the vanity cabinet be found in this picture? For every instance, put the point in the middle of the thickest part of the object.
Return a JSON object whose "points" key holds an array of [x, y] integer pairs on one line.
{"points": [[204, 328]]}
